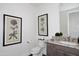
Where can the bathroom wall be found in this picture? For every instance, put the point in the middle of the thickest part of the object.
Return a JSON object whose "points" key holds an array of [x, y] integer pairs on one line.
{"points": [[54, 22], [27, 12], [52, 9], [67, 6]]}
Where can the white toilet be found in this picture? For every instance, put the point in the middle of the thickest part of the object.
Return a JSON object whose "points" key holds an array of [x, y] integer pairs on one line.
{"points": [[37, 51]]}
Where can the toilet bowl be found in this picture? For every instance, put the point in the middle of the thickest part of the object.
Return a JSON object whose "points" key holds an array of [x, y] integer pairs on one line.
{"points": [[37, 51]]}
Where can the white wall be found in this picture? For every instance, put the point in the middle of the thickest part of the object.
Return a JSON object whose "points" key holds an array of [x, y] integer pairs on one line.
{"points": [[27, 12], [53, 18], [68, 6]]}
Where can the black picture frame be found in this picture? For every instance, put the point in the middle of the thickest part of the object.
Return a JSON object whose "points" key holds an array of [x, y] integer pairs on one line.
{"points": [[6, 19], [45, 16]]}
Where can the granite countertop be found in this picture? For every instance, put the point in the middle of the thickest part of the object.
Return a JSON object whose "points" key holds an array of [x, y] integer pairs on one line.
{"points": [[63, 43]]}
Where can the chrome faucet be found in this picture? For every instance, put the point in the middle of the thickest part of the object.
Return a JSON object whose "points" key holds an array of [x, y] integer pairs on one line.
{"points": [[64, 38]]}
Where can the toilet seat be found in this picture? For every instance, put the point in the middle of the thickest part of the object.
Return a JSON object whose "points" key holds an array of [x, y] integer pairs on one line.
{"points": [[36, 50]]}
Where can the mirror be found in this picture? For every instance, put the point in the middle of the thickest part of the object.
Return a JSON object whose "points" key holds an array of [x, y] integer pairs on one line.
{"points": [[69, 22]]}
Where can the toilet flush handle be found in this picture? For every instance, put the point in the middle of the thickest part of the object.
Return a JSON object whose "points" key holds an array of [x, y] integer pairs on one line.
{"points": [[41, 39]]}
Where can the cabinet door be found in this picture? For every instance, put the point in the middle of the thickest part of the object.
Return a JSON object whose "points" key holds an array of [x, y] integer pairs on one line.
{"points": [[59, 52], [50, 50], [69, 54]]}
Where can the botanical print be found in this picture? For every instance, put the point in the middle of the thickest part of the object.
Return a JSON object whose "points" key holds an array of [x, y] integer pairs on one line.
{"points": [[14, 27], [43, 25], [12, 30]]}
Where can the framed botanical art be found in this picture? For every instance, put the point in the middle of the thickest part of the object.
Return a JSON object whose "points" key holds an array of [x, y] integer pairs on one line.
{"points": [[43, 25], [12, 30]]}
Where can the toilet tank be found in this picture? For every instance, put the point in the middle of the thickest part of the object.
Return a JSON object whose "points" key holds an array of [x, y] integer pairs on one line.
{"points": [[41, 42]]}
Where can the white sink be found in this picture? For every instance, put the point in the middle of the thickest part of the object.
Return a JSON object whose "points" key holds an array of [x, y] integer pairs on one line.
{"points": [[68, 43]]}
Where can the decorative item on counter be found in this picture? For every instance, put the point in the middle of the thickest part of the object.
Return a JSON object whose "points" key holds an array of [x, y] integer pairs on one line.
{"points": [[61, 34], [78, 40], [57, 34]]}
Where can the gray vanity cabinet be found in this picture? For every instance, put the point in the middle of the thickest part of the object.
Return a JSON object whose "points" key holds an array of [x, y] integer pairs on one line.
{"points": [[50, 49], [59, 50]]}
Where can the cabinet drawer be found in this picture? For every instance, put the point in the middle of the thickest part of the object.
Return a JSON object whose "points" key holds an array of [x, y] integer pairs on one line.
{"points": [[67, 49], [59, 52], [50, 50], [59, 47], [73, 51], [50, 45]]}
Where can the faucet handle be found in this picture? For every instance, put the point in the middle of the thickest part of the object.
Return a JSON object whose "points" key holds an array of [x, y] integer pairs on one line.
{"points": [[69, 38], [64, 38]]}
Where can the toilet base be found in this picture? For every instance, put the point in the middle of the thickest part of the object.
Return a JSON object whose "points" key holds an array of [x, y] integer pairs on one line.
{"points": [[44, 55], [37, 55]]}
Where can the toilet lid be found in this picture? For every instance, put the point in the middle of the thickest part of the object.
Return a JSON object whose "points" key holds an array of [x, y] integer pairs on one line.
{"points": [[41, 43]]}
